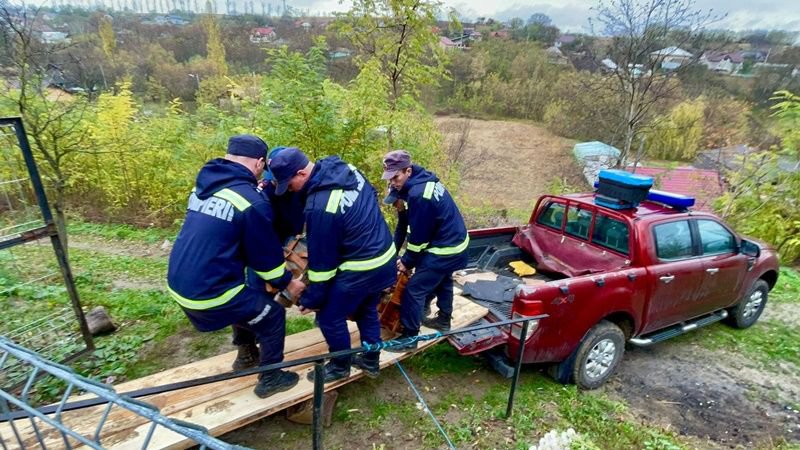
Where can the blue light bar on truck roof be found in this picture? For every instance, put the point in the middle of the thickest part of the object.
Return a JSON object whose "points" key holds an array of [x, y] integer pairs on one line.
{"points": [[670, 199], [677, 201]]}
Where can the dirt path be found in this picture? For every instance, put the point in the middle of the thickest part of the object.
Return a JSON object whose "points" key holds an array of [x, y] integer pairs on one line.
{"points": [[716, 396], [508, 164], [118, 247]]}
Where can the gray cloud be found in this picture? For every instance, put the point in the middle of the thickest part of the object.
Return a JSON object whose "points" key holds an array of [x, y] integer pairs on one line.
{"points": [[741, 14], [573, 15]]}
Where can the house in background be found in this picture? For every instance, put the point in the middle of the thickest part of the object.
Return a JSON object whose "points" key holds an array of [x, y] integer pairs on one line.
{"points": [[54, 37], [448, 44], [607, 65], [262, 35], [704, 185], [723, 62], [500, 34], [672, 57], [564, 39], [340, 53]]}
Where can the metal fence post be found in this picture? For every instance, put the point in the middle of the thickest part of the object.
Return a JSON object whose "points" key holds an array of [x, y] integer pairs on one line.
{"points": [[319, 393], [517, 368]]}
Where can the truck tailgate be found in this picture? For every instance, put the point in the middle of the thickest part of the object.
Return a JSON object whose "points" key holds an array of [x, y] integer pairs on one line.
{"points": [[482, 340]]}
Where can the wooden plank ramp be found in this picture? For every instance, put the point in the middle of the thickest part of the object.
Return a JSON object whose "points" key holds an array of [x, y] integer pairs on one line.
{"points": [[220, 407]]}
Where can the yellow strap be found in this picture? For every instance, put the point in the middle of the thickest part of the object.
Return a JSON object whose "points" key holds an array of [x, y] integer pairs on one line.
{"points": [[446, 251], [272, 274], [333, 201], [318, 277], [369, 264], [205, 303], [237, 200], [428, 194]]}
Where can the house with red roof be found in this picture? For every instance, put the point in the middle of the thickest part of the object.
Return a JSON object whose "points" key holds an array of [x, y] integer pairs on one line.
{"points": [[704, 185], [722, 62], [262, 35], [448, 44]]}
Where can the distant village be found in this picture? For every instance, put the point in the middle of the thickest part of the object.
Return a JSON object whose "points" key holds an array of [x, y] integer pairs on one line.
{"points": [[736, 59]]}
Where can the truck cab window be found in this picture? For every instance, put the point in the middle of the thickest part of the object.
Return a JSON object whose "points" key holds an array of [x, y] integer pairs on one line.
{"points": [[673, 240], [610, 233], [716, 239], [552, 215], [578, 221]]}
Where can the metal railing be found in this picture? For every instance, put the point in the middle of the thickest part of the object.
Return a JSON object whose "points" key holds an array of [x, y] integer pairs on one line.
{"points": [[107, 395], [25, 218]]}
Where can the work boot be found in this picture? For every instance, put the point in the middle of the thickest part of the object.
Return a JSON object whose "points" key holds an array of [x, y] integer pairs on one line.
{"points": [[403, 347], [247, 357], [334, 370], [369, 362], [275, 381], [441, 322]]}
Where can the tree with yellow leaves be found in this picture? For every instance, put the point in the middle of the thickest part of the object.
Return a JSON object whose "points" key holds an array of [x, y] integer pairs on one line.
{"points": [[214, 47]]}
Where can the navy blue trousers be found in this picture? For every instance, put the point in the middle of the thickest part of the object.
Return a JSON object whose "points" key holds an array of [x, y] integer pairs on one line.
{"points": [[361, 306], [254, 316], [422, 285]]}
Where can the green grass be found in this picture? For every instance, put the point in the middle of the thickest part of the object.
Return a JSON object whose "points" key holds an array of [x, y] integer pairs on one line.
{"points": [[787, 290], [298, 324], [99, 267], [151, 235], [768, 341], [475, 417]]}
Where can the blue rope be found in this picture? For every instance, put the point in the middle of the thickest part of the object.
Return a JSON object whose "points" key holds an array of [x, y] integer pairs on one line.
{"points": [[408, 340], [425, 405]]}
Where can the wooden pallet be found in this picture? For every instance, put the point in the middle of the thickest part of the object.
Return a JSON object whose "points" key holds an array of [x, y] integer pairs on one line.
{"points": [[220, 407]]}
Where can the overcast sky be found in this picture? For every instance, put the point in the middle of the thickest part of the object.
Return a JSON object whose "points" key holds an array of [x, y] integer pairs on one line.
{"points": [[572, 15]]}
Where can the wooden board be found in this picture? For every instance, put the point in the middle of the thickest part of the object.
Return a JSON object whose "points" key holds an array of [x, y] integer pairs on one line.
{"points": [[220, 407], [474, 276]]}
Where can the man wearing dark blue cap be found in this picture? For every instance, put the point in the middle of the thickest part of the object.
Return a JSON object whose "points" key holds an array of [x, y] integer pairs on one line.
{"points": [[350, 252], [436, 244], [228, 228]]}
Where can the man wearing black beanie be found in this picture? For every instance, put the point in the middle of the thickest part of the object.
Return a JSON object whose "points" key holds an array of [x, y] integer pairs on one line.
{"points": [[229, 228]]}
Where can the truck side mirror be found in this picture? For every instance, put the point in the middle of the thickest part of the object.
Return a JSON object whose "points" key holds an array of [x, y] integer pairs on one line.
{"points": [[751, 249]]}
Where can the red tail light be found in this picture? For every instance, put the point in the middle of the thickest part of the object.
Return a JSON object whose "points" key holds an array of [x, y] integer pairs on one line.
{"points": [[526, 308]]}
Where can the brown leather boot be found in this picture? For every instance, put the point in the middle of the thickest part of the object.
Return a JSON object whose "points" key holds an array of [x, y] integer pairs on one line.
{"points": [[247, 357]]}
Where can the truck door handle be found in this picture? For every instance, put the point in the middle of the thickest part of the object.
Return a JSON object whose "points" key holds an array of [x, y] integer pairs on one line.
{"points": [[667, 279], [712, 270]]}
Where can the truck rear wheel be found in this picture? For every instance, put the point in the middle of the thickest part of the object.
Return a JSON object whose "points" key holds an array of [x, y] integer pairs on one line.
{"points": [[749, 309], [596, 358]]}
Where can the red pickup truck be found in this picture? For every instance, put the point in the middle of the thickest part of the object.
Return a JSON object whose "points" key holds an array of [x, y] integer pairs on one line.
{"points": [[640, 275]]}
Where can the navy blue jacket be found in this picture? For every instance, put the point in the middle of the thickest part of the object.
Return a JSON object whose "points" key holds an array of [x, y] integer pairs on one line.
{"points": [[348, 239], [228, 227], [288, 210], [288, 222], [438, 237]]}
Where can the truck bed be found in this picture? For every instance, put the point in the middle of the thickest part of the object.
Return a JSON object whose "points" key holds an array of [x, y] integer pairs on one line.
{"points": [[492, 253]]}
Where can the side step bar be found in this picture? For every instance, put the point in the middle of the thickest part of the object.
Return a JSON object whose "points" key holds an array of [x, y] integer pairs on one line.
{"points": [[677, 330]]}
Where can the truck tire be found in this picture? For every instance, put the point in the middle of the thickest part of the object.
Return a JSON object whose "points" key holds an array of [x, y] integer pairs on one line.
{"points": [[596, 358], [749, 309]]}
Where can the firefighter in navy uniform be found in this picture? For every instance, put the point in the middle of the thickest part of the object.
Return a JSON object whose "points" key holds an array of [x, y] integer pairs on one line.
{"points": [[228, 228], [436, 244], [350, 252]]}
